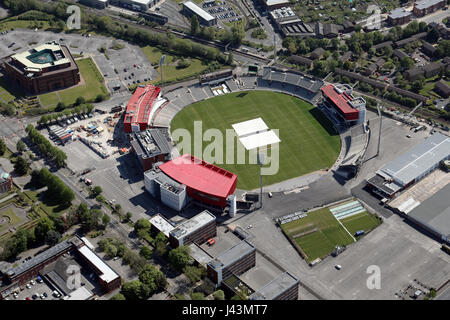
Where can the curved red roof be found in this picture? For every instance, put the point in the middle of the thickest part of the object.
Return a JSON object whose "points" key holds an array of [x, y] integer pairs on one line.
{"points": [[201, 175]]}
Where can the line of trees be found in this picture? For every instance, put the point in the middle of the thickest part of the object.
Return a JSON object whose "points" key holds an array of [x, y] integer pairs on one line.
{"points": [[45, 147], [57, 190]]}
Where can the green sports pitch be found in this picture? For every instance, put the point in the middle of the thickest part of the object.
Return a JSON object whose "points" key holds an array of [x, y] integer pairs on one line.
{"points": [[308, 139]]}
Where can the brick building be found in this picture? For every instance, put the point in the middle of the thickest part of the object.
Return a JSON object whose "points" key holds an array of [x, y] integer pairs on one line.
{"points": [[45, 68], [283, 287], [197, 230], [234, 261], [151, 146], [424, 7]]}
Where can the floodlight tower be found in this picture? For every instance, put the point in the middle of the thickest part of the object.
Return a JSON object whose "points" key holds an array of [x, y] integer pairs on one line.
{"points": [[379, 133], [161, 62], [261, 163]]}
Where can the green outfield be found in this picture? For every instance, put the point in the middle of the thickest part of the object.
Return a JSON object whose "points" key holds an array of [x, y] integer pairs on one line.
{"points": [[317, 234], [308, 140], [361, 221]]}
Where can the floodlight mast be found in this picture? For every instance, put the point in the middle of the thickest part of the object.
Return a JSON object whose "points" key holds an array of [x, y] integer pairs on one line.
{"points": [[161, 62], [261, 163], [379, 132]]}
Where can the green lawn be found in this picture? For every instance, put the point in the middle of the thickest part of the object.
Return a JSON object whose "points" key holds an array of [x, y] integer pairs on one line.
{"points": [[306, 145], [8, 92], [21, 24], [171, 73], [361, 221], [321, 242], [13, 218], [93, 86]]}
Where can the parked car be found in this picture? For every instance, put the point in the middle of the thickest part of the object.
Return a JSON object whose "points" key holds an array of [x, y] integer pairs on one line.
{"points": [[338, 267]]}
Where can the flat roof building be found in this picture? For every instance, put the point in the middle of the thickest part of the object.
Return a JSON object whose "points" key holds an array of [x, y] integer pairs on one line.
{"points": [[411, 166], [99, 4], [283, 287], [136, 5], [161, 224], [190, 9], [108, 278], [275, 4], [399, 16], [424, 7], [434, 214], [151, 146], [234, 261], [47, 67], [197, 230]]}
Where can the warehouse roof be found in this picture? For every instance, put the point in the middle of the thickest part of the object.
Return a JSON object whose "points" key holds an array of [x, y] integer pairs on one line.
{"points": [[200, 175], [434, 212], [418, 160], [40, 258], [193, 224], [275, 287], [198, 11]]}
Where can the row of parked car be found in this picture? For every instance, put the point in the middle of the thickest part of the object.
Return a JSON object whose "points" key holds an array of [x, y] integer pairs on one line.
{"points": [[75, 119]]}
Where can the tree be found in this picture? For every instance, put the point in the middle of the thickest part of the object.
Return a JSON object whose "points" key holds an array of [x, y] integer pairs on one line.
{"points": [[197, 296], [96, 191], [194, 274], [2, 147], [153, 278], [21, 166], [52, 237], [160, 237], [105, 220], [179, 257], [42, 228], [161, 249], [142, 224], [418, 84], [407, 62], [128, 216], [219, 295], [111, 250], [80, 101], [194, 25], [20, 146], [132, 290], [146, 252], [60, 106], [118, 296]]}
